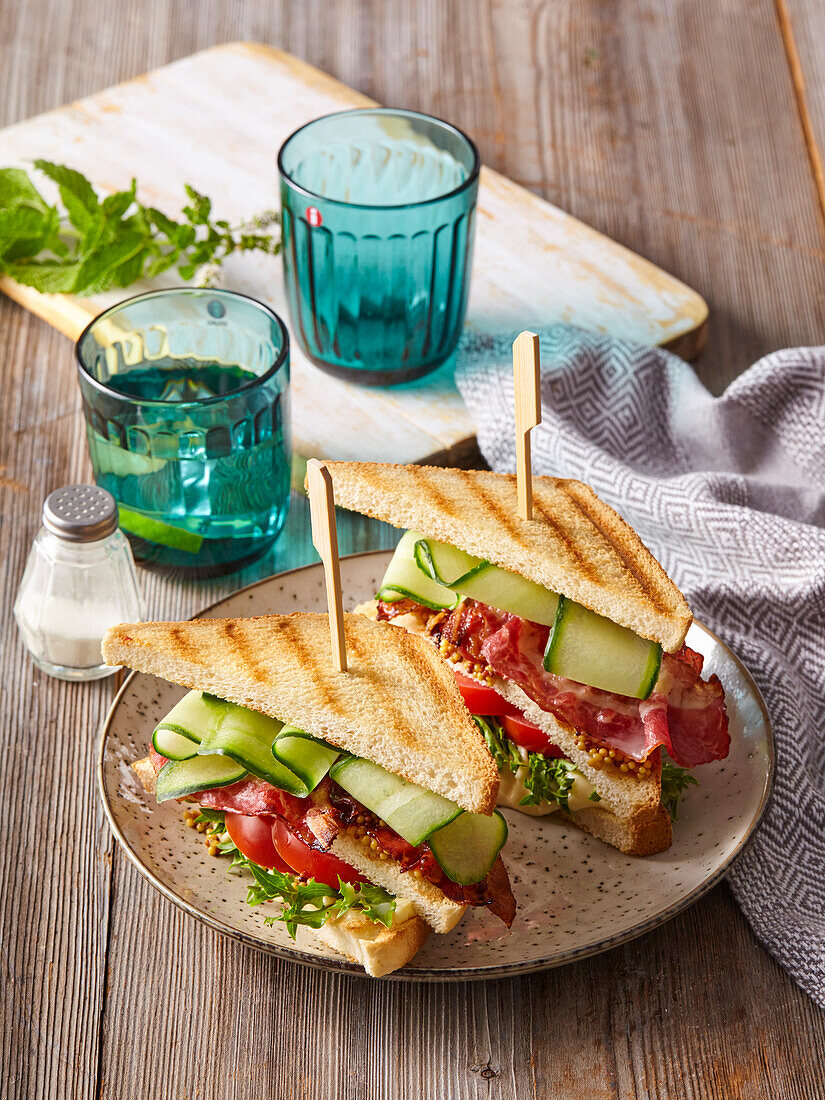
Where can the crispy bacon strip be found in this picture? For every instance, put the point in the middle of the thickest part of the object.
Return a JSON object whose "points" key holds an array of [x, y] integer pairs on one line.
{"points": [[685, 713]]}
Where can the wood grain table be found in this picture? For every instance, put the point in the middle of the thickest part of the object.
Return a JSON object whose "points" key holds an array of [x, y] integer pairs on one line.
{"points": [[689, 130]]}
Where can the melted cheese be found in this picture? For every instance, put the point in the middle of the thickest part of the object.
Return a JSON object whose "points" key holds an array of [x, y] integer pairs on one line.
{"points": [[404, 911]]}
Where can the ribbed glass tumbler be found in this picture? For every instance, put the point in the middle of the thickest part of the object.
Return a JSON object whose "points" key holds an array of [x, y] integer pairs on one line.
{"points": [[378, 213], [186, 397]]}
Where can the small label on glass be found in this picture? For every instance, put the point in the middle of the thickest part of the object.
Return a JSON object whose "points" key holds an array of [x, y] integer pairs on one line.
{"points": [[313, 215]]}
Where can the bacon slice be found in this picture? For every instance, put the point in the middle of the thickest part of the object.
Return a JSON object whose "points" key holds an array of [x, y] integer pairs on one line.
{"points": [[685, 713], [254, 797]]}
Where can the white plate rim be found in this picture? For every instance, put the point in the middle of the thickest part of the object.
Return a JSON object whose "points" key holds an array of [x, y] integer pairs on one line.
{"points": [[457, 973]]}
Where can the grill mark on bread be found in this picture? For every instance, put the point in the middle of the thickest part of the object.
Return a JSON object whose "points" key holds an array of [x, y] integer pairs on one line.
{"points": [[647, 584], [239, 641], [507, 522], [563, 535], [395, 715], [309, 662], [180, 640], [432, 741], [431, 491], [493, 505]]}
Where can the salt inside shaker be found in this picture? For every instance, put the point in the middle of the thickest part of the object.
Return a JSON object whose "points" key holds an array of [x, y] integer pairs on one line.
{"points": [[79, 580]]}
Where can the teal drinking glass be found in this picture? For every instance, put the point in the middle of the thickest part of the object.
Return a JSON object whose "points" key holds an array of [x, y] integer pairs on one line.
{"points": [[378, 210], [186, 398]]}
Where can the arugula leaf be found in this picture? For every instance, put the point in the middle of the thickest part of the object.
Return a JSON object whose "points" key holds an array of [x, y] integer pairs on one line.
{"points": [[205, 815], [502, 749], [674, 781], [305, 901], [549, 779], [88, 244], [312, 903]]}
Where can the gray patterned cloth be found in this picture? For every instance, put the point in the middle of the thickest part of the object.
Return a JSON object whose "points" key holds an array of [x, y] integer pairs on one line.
{"points": [[729, 494]]}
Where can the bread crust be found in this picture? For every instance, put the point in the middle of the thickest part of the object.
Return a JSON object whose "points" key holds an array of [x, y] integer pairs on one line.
{"points": [[644, 838], [441, 913], [430, 903], [378, 949], [575, 544], [634, 801], [397, 705]]}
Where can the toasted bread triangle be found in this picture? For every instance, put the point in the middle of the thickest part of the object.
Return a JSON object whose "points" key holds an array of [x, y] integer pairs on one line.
{"points": [[575, 544], [398, 704]]}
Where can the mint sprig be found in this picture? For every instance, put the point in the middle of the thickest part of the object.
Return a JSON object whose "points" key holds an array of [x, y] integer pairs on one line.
{"points": [[89, 244]]}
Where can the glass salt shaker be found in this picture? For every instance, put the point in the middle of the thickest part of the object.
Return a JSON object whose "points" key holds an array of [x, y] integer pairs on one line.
{"points": [[79, 580]]}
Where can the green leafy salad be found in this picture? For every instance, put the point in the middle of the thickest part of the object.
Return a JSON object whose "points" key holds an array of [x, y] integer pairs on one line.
{"points": [[304, 901]]}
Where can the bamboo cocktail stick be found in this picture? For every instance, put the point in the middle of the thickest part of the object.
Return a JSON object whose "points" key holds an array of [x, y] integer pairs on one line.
{"points": [[528, 414], [325, 540]]}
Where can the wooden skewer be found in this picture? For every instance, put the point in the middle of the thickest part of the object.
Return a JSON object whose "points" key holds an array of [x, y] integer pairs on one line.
{"points": [[325, 540], [528, 414]]}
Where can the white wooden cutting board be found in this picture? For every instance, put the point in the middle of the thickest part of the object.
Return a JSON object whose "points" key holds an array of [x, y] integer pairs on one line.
{"points": [[217, 119]]}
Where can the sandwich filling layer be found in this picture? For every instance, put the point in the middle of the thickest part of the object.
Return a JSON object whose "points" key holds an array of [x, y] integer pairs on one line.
{"points": [[684, 714], [317, 820]]}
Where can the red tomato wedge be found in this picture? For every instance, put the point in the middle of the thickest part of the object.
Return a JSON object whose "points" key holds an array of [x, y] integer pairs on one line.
{"points": [[481, 699], [252, 836], [484, 700], [304, 860], [530, 737]]}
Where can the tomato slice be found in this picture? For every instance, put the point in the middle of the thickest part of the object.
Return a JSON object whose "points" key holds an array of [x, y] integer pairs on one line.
{"points": [[322, 866], [252, 836], [481, 699], [484, 700], [530, 737]]}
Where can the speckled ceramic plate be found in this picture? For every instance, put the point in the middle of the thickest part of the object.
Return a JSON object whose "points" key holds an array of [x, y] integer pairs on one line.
{"points": [[575, 895]]}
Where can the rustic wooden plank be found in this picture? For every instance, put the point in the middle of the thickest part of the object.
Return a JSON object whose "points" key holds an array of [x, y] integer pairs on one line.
{"points": [[802, 25], [696, 1009], [55, 859], [670, 127]]}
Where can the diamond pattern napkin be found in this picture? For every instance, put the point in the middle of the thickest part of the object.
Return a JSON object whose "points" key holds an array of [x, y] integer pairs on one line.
{"points": [[729, 494]]}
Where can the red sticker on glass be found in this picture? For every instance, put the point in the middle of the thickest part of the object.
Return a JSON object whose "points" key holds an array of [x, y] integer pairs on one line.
{"points": [[314, 215]]}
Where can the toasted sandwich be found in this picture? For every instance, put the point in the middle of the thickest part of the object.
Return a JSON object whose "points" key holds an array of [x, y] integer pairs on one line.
{"points": [[362, 802], [566, 635]]}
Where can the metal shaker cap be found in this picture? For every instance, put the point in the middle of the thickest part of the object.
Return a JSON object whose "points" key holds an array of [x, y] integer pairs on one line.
{"points": [[80, 513]]}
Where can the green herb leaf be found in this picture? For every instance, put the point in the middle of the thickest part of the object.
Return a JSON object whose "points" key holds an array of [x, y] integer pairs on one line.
{"points": [[311, 903], [76, 193], [374, 901], [674, 781], [548, 779], [16, 189], [93, 244], [49, 277], [502, 749]]}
